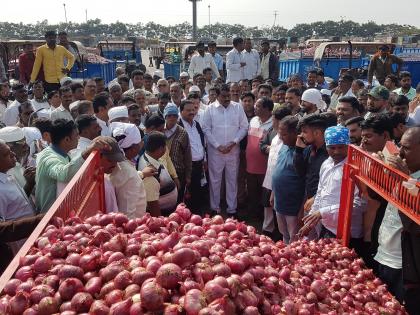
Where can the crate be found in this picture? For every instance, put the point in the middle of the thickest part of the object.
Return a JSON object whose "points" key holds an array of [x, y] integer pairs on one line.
{"points": [[331, 66], [83, 196], [386, 181], [172, 69], [92, 70], [122, 55]]}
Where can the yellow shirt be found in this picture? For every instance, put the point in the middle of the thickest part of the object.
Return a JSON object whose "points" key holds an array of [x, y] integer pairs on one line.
{"points": [[52, 61], [167, 163]]}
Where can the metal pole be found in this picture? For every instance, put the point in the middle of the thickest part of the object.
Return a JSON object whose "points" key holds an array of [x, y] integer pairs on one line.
{"points": [[209, 22], [194, 2], [86, 15], [65, 12]]}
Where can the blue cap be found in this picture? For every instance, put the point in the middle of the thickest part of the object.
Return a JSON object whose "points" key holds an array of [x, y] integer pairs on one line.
{"points": [[170, 109], [336, 135]]}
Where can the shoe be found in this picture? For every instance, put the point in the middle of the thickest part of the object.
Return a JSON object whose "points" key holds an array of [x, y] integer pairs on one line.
{"points": [[214, 212], [267, 233]]}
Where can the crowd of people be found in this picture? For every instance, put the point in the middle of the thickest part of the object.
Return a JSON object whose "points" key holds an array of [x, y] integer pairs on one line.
{"points": [[266, 152]]}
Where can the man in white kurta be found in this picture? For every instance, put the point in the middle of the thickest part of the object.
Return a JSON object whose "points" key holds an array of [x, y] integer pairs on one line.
{"points": [[201, 61], [224, 125], [234, 62], [252, 59]]}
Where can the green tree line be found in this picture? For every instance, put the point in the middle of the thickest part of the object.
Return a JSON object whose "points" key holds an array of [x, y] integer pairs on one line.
{"points": [[184, 30]]}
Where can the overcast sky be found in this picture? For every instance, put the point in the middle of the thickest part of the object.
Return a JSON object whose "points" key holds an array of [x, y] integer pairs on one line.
{"points": [[246, 12]]}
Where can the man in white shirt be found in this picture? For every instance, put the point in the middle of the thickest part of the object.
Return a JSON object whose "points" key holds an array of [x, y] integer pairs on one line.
{"points": [[234, 61], [128, 183], [4, 100], [15, 138], [326, 205], [343, 89], [89, 129], [251, 57], [63, 111], [175, 91], [39, 100], [101, 104], [200, 61], [225, 125], [14, 201], [11, 115], [198, 153]]}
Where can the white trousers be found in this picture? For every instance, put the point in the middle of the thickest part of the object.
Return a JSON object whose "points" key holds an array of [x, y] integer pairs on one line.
{"points": [[268, 224], [288, 226], [218, 163]]}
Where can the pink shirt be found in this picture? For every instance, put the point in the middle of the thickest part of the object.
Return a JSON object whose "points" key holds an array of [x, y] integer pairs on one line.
{"points": [[256, 161]]}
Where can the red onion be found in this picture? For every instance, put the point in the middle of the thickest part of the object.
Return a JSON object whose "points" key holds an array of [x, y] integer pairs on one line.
{"points": [[251, 310], [122, 280], [39, 292], [99, 307], [168, 276], [196, 219], [194, 301], [213, 291], [18, 303], [131, 290], [48, 305], [184, 257], [319, 288], [69, 271], [11, 286], [136, 309], [152, 296], [24, 273], [81, 302], [122, 307], [183, 212], [140, 274], [113, 297], [69, 287], [93, 286]]}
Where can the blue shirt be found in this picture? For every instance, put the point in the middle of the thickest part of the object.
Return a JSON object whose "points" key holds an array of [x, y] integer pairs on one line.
{"points": [[218, 60], [288, 186]]}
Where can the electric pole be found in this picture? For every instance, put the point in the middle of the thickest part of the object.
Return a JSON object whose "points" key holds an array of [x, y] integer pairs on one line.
{"points": [[275, 17], [209, 22], [194, 4], [65, 12], [86, 15]]}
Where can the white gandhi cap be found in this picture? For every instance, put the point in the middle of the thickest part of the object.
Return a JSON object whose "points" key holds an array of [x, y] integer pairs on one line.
{"points": [[11, 134], [117, 112]]}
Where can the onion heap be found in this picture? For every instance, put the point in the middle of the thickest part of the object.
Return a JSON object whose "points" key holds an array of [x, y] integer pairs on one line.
{"points": [[186, 264]]}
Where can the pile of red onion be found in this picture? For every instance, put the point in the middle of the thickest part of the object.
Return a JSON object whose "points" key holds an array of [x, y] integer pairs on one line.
{"points": [[185, 264]]}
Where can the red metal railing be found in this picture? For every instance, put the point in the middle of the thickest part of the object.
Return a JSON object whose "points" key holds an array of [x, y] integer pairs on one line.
{"points": [[83, 196], [383, 179]]}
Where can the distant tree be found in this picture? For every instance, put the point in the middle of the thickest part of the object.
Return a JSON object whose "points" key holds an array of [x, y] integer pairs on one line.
{"points": [[102, 31]]}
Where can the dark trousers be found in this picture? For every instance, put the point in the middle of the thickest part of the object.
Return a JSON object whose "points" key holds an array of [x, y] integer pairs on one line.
{"points": [[254, 186], [196, 191], [411, 271], [242, 190], [49, 87], [393, 279], [181, 191]]}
